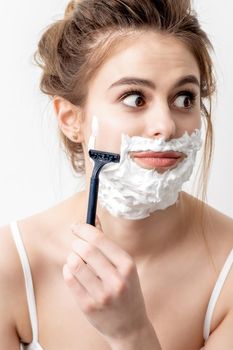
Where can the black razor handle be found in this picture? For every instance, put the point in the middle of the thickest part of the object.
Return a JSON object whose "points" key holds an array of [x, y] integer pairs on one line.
{"points": [[92, 202], [100, 158]]}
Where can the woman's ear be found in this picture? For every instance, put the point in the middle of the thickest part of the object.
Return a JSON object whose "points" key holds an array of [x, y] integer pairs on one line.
{"points": [[69, 118]]}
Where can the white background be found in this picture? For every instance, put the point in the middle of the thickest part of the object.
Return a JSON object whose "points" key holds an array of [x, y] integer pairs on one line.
{"points": [[34, 172]]}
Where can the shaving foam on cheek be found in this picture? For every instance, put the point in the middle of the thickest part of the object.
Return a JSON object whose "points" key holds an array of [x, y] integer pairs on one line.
{"points": [[129, 191], [94, 133]]}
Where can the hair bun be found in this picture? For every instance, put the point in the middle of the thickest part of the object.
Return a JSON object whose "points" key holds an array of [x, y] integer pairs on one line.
{"points": [[71, 8]]}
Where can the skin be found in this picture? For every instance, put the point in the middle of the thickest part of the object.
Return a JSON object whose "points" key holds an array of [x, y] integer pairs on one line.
{"points": [[136, 271], [163, 61], [161, 113]]}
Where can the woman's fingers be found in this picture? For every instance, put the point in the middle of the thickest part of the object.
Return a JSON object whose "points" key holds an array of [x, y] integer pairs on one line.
{"points": [[86, 277], [98, 263], [117, 256], [105, 282], [85, 301]]}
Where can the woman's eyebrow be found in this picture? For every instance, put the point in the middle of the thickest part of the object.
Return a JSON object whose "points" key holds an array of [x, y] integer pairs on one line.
{"points": [[148, 83]]}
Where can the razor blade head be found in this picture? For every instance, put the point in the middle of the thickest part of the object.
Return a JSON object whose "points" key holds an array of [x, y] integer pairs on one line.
{"points": [[104, 157]]}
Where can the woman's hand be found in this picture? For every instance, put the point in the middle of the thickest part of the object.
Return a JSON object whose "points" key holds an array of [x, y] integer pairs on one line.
{"points": [[106, 287]]}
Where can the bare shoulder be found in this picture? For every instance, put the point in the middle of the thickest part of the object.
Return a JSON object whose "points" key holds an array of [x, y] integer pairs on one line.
{"points": [[10, 281], [9, 262], [220, 226], [42, 235], [219, 236], [218, 215], [220, 239], [215, 237], [47, 232], [46, 236], [54, 218]]}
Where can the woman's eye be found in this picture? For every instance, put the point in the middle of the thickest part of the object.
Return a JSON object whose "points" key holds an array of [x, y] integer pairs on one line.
{"points": [[186, 100], [134, 100]]}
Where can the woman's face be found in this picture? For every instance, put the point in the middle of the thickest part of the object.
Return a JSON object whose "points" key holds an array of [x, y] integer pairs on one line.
{"points": [[150, 88]]}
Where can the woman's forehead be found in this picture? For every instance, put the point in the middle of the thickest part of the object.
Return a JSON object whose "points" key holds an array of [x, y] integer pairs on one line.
{"points": [[160, 57]]}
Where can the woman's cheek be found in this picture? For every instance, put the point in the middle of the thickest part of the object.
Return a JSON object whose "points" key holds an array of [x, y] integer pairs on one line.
{"points": [[105, 134]]}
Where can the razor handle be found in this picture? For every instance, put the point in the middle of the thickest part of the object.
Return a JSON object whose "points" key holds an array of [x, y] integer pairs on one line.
{"points": [[92, 202]]}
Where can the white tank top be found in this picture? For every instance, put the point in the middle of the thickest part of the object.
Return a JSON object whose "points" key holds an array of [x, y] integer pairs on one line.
{"points": [[34, 345]]}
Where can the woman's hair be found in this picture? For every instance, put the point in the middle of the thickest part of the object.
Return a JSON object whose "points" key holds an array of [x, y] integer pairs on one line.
{"points": [[72, 49]]}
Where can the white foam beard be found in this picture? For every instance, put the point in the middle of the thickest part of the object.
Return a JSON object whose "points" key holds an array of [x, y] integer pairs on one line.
{"points": [[131, 192]]}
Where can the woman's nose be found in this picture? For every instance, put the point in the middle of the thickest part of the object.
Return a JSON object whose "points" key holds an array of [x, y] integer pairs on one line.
{"points": [[160, 124]]}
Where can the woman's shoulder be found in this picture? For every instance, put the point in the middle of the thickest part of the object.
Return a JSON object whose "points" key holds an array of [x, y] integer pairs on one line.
{"points": [[218, 230], [209, 216], [12, 310], [220, 241], [54, 218], [44, 240], [44, 233], [219, 224], [215, 231], [9, 260], [8, 257], [215, 237]]}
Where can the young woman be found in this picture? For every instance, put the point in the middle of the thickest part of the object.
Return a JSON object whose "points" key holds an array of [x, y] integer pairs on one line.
{"points": [[129, 77]]}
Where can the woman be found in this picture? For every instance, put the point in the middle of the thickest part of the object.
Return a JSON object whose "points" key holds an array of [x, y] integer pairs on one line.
{"points": [[128, 77]]}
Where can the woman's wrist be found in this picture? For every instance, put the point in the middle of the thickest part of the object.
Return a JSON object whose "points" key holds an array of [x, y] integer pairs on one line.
{"points": [[145, 339]]}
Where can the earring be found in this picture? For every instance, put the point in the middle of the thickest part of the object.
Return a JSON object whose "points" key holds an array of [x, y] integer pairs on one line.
{"points": [[75, 133], [75, 137]]}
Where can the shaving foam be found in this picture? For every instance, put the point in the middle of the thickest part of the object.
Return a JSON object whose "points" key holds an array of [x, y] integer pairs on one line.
{"points": [[132, 192], [94, 132]]}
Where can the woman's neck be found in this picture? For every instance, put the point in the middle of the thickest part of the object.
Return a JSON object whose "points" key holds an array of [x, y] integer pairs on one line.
{"points": [[154, 235]]}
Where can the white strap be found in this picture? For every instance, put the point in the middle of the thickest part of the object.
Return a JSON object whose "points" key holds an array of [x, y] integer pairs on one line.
{"points": [[28, 279], [215, 294]]}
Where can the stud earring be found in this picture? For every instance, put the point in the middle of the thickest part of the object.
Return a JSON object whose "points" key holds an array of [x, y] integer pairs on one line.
{"points": [[75, 137], [75, 134]]}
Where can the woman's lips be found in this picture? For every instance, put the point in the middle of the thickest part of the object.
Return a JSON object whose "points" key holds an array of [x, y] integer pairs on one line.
{"points": [[159, 160]]}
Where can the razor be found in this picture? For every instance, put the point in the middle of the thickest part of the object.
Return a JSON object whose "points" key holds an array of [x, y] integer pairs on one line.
{"points": [[100, 159]]}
